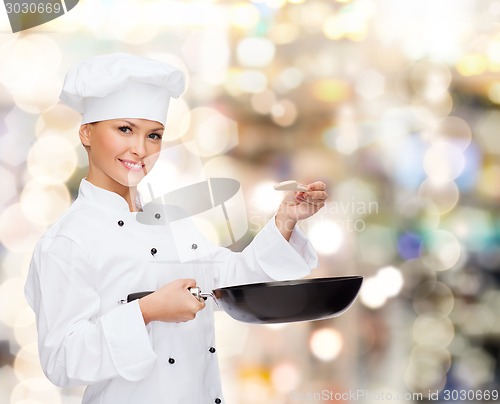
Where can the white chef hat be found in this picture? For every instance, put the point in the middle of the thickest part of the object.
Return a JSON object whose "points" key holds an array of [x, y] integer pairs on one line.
{"points": [[121, 85]]}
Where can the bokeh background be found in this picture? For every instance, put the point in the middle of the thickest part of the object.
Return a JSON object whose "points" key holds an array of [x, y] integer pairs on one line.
{"points": [[393, 103]]}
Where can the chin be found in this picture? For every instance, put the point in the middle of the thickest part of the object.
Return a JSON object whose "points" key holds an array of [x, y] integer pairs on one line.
{"points": [[132, 180]]}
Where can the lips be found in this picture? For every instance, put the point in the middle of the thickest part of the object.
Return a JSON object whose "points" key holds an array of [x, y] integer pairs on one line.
{"points": [[132, 165]]}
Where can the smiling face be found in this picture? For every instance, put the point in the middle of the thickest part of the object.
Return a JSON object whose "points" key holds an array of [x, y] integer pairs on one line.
{"points": [[121, 151]]}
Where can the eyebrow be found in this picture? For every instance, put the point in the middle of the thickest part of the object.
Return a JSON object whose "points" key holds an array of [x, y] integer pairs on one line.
{"points": [[135, 126]]}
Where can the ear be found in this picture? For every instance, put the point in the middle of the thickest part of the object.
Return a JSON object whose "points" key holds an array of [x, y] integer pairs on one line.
{"points": [[85, 134]]}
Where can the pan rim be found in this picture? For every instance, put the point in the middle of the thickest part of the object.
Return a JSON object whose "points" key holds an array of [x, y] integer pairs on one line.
{"points": [[293, 282]]}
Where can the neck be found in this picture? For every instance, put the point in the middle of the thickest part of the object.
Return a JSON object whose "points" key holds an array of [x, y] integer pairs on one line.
{"points": [[128, 193]]}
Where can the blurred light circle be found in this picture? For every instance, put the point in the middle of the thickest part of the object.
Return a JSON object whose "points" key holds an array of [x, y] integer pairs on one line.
{"points": [[12, 301], [453, 130], [444, 195], [40, 390], [494, 43], [433, 329], [474, 227], [494, 92], [255, 386], [391, 279], [39, 96], [210, 133], [92, 18], [430, 80], [285, 377], [251, 81], [354, 197], [326, 344], [472, 64], [326, 236], [409, 245], [488, 180], [255, 52], [373, 294], [27, 362], [44, 203], [431, 355], [243, 15], [206, 51], [5, 97], [429, 114], [332, 27], [264, 198], [487, 132], [377, 244], [331, 90], [475, 368], [476, 320], [275, 3], [424, 377], [263, 102], [28, 60], [220, 166], [443, 161], [370, 84], [441, 250], [7, 184], [284, 113], [310, 16], [288, 79], [25, 328], [284, 33], [418, 215], [52, 159], [128, 22], [16, 264], [17, 232], [433, 297], [60, 120], [33, 89], [178, 120]]}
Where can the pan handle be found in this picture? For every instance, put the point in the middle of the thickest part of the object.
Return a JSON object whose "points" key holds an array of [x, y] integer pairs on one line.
{"points": [[135, 296], [196, 292]]}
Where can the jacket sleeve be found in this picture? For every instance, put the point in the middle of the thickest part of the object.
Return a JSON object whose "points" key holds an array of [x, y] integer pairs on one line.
{"points": [[268, 257], [76, 344]]}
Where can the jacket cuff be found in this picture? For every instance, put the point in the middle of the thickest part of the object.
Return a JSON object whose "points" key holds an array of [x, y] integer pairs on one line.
{"points": [[281, 259], [128, 341]]}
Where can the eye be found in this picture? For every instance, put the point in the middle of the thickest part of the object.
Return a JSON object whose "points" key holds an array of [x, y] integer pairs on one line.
{"points": [[155, 136], [125, 129]]}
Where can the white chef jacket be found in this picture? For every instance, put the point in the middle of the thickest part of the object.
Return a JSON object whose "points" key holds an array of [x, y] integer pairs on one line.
{"points": [[94, 256]]}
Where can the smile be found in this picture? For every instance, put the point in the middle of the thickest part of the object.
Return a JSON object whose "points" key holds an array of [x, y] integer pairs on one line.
{"points": [[131, 165]]}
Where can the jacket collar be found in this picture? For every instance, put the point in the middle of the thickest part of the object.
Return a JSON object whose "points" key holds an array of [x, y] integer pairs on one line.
{"points": [[102, 198]]}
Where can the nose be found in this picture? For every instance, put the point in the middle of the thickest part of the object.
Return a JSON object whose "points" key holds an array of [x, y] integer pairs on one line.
{"points": [[138, 146]]}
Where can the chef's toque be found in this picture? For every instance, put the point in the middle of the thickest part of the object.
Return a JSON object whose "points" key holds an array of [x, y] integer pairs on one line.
{"points": [[121, 85]]}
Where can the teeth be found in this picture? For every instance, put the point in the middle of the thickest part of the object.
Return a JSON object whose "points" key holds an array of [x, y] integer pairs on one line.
{"points": [[135, 166]]}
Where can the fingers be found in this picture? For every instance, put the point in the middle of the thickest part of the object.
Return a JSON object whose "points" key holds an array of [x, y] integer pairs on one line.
{"points": [[315, 194], [316, 186]]}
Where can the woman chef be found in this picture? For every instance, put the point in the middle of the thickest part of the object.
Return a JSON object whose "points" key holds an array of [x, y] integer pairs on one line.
{"points": [[161, 348]]}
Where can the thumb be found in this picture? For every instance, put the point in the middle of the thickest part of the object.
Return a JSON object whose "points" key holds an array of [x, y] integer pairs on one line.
{"points": [[188, 283]]}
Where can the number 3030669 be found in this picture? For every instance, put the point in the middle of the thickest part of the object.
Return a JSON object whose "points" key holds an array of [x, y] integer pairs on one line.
{"points": [[470, 395], [32, 8]]}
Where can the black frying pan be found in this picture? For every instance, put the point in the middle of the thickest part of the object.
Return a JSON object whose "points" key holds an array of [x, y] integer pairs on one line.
{"points": [[283, 301]]}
